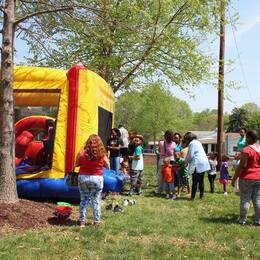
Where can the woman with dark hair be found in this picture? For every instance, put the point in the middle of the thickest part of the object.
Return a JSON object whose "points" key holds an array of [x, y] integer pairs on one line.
{"points": [[198, 163], [166, 149], [91, 161], [114, 145], [177, 140], [241, 143], [248, 172]]}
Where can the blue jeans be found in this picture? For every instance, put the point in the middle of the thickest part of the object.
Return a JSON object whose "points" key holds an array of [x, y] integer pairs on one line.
{"points": [[114, 163], [90, 187]]}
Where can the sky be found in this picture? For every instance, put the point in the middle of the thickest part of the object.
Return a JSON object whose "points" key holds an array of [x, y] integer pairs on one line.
{"points": [[242, 46]]}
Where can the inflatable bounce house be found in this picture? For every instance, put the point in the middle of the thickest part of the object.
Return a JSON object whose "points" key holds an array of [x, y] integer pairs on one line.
{"points": [[46, 148]]}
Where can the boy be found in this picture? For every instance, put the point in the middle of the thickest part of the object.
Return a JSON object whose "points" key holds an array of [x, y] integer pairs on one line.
{"points": [[182, 172], [168, 178], [137, 166]]}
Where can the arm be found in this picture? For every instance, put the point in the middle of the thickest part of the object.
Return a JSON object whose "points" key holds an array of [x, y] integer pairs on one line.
{"points": [[241, 167], [106, 163], [190, 153]]}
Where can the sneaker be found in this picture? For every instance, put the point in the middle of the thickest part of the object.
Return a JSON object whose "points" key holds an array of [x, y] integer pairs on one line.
{"points": [[131, 192], [109, 207], [118, 209], [242, 222], [225, 193], [174, 197], [97, 223], [167, 196], [139, 192], [257, 222], [82, 224]]}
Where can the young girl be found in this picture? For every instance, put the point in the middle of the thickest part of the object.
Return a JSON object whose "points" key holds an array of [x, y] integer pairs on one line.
{"points": [[224, 173], [168, 178], [213, 170]]}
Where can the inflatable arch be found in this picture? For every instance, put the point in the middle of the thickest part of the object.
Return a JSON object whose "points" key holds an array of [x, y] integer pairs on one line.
{"points": [[85, 105]]}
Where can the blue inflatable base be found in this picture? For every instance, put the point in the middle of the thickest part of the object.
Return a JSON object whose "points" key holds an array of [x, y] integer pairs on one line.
{"points": [[57, 189]]}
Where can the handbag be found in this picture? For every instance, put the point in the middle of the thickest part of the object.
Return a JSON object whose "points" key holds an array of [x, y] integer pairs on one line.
{"points": [[72, 179]]}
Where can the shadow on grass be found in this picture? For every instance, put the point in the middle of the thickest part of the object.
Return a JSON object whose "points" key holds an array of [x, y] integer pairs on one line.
{"points": [[225, 219], [54, 221]]}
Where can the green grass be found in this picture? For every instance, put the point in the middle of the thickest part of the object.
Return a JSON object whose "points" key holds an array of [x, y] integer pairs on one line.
{"points": [[154, 228]]}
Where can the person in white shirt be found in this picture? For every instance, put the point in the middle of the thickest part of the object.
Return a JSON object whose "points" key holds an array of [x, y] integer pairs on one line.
{"points": [[125, 139], [198, 163]]}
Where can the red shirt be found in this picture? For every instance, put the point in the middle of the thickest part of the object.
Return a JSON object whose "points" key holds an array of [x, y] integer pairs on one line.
{"points": [[167, 173], [90, 167], [252, 171]]}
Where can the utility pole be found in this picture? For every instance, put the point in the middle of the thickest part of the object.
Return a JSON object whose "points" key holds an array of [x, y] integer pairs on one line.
{"points": [[221, 83]]}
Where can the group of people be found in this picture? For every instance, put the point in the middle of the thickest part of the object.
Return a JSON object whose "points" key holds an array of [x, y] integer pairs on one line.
{"points": [[122, 152], [179, 159]]}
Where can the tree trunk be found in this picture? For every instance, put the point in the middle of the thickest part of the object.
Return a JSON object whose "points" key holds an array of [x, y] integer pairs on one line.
{"points": [[8, 191]]}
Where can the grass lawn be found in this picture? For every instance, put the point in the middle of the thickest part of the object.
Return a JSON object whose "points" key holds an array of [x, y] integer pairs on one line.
{"points": [[154, 228]]}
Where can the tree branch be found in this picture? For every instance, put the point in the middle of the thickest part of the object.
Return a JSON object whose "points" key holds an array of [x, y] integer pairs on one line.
{"points": [[150, 47], [42, 12]]}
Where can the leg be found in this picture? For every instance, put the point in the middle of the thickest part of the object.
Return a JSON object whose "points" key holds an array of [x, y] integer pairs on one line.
{"points": [[111, 160], [201, 184], [96, 186], [195, 180], [225, 187], [245, 197], [211, 182], [139, 182], [117, 163], [84, 197], [133, 181], [256, 201]]}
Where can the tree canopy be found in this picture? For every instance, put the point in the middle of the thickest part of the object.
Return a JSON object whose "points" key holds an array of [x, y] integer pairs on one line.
{"points": [[153, 110], [125, 41]]}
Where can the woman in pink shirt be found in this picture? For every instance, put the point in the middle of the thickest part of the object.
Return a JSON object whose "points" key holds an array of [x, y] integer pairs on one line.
{"points": [[248, 172], [91, 161], [166, 149]]}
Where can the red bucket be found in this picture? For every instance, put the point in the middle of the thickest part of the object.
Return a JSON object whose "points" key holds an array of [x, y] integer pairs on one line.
{"points": [[63, 209]]}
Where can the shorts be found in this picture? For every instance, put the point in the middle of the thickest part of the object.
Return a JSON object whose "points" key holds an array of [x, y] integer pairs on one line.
{"points": [[136, 177], [223, 181]]}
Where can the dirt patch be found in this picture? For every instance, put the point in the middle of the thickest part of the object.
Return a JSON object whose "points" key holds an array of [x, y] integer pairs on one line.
{"points": [[26, 214]]}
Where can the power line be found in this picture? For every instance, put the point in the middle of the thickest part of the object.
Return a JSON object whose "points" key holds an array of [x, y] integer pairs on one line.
{"points": [[239, 58]]}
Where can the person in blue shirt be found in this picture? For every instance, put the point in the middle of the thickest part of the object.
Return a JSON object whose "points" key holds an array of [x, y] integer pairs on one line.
{"points": [[198, 163], [241, 143], [137, 166]]}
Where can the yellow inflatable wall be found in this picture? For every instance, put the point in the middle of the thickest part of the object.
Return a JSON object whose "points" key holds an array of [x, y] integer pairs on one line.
{"points": [[80, 95]]}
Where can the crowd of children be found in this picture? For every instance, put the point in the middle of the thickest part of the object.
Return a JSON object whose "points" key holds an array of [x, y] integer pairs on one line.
{"points": [[173, 173]]}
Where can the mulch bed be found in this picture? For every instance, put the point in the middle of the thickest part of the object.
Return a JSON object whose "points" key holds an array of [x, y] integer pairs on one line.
{"points": [[26, 214]]}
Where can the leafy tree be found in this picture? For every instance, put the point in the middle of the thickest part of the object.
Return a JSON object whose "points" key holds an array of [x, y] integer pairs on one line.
{"points": [[254, 122], [250, 107], [127, 41], [152, 111], [9, 22], [207, 120], [237, 119]]}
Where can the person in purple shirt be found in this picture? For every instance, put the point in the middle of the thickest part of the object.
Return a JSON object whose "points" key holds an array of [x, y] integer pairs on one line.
{"points": [[224, 173]]}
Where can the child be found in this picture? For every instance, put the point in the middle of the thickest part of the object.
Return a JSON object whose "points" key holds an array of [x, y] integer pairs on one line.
{"points": [[182, 173], [137, 166], [213, 170], [168, 178], [124, 166], [224, 176]]}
